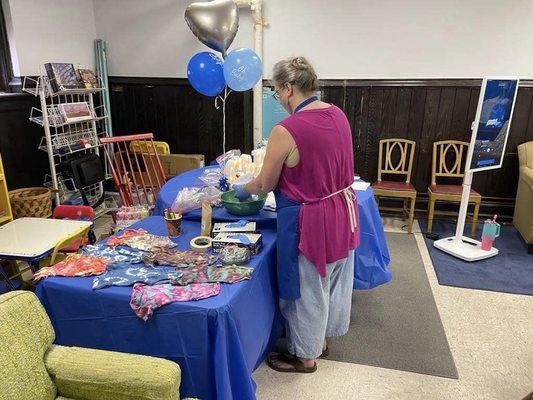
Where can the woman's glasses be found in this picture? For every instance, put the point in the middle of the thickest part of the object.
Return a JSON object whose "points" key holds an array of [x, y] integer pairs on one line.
{"points": [[276, 93]]}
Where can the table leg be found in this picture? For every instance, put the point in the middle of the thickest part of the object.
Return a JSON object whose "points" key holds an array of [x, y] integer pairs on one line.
{"points": [[6, 278], [34, 265]]}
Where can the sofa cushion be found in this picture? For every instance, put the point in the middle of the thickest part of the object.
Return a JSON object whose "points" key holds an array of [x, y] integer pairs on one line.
{"points": [[106, 375], [25, 335]]}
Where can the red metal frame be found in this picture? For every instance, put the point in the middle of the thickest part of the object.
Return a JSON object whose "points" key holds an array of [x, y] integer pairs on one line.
{"points": [[124, 171]]}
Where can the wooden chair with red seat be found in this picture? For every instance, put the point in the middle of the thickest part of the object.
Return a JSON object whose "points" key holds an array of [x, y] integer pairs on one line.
{"points": [[396, 157], [449, 161], [77, 213]]}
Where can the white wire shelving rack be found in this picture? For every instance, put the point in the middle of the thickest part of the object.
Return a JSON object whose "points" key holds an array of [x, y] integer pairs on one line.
{"points": [[62, 139]]}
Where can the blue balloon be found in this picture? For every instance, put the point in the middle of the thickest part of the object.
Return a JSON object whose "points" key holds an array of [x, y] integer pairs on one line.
{"points": [[242, 69], [205, 73]]}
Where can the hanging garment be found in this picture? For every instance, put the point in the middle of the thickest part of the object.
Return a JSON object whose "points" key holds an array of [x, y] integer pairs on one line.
{"points": [[141, 240], [224, 274], [123, 274], [119, 254], [74, 265], [179, 259], [145, 299]]}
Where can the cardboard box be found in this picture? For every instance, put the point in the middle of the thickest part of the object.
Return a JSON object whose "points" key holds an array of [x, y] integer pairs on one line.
{"points": [[175, 164], [223, 239]]}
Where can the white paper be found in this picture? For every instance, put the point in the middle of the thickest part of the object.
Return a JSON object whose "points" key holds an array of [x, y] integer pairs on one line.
{"points": [[360, 185]]}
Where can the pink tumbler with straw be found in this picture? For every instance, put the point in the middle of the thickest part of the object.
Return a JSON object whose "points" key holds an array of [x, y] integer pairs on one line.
{"points": [[491, 230]]}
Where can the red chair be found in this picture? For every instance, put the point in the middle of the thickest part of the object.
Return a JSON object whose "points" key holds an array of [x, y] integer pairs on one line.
{"points": [[396, 157], [77, 213]]}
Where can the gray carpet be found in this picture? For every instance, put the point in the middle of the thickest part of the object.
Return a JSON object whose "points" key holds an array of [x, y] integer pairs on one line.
{"points": [[398, 326]]}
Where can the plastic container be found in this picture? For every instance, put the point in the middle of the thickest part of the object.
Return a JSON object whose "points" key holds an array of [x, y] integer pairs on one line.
{"points": [[491, 230]]}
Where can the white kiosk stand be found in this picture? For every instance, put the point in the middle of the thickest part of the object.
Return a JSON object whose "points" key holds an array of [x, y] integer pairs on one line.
{"points": [[492, 123]]}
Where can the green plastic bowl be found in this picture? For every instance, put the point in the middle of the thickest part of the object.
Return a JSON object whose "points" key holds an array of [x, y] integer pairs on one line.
{"points": [[236, 207]]}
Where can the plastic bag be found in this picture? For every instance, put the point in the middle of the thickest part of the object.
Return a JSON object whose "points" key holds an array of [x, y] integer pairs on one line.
{"points": [[210, 177], [191, 198], [224, 158]]}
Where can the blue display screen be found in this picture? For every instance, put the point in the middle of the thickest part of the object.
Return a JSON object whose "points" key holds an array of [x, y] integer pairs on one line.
{"points": [[494, 122]]}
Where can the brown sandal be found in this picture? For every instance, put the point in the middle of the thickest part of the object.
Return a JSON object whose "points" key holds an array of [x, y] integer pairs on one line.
{"points": [[325, 353], [296, 364]]}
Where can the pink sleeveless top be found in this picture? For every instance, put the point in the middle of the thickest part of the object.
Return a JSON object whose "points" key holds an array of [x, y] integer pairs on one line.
{"points": [[324, 141]]}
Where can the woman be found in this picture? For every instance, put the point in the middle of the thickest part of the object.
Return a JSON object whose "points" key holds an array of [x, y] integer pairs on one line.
{"points": [[309, 163]]}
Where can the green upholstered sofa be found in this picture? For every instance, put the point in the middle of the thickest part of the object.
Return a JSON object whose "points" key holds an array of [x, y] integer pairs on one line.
{"points": [[35, 369]]}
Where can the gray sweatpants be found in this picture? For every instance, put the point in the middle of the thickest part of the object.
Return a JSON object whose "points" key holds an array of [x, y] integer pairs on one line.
{"points": [[323, 310]]}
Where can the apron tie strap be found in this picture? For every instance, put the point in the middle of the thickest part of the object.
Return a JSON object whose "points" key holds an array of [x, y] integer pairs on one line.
{"points": [[349, 198]]}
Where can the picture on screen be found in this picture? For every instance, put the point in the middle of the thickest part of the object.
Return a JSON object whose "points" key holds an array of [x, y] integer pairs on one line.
{"points": [[494, 123]]}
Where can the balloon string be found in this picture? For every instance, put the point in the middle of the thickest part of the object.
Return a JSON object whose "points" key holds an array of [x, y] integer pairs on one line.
{"points": [[224, 120], [217, 106]]}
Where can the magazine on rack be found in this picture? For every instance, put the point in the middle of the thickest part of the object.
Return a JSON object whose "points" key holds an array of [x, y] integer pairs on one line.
{"points": [[62, 76], [88, 79]]}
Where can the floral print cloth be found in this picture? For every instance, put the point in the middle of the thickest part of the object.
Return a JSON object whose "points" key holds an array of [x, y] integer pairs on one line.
{"points": [[120, 254], [74, 265], [179, 259], [145, 299], [122, 274], [141, 240], [225, 274]]}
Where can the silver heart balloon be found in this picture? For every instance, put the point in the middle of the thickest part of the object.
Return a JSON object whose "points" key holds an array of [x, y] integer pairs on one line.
{"points": [[215, 23]]}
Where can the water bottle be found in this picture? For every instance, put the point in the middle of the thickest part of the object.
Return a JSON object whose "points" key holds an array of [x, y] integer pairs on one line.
{"points": [[491, 230]]}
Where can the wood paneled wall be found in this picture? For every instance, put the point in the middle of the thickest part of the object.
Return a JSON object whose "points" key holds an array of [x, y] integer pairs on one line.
{"points": [[177, 114], [421, 110], [24, 164], [427, 112]]}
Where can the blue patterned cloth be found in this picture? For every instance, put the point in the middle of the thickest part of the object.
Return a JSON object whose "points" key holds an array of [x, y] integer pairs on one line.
{"points": [[118, 254], [123, 274]]}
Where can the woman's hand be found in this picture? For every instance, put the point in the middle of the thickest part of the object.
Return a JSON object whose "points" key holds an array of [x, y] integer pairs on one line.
{"points": [[240, 193]]}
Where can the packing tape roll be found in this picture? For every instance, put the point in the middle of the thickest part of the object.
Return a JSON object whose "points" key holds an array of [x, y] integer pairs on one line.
{"points": [[201, 243]]}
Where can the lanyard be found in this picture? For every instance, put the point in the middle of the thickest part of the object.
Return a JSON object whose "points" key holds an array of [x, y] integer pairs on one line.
{"points": [[305, 103]]}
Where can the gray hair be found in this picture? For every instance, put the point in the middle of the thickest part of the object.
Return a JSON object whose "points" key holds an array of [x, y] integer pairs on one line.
{"points": [[297, 71]]}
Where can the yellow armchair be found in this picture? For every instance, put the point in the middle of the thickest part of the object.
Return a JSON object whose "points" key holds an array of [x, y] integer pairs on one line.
{"points": [[523, 212], [34, 369]]}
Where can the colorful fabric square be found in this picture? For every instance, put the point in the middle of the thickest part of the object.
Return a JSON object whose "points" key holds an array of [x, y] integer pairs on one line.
{"points": [[119, 254], [180, 259], [121, 274], [145, 299], [141, 240], [127, 234], [225, 274], [74, 265]]}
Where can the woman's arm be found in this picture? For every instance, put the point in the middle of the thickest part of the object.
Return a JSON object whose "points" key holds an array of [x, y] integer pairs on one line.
{"points": [[279, 146]]}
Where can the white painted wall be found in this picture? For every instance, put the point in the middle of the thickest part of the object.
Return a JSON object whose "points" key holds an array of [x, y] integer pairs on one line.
{"points": [[52, 31], [343, 38], [151, 38]]}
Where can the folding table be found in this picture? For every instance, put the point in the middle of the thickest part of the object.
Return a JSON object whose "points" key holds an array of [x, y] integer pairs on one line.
{"points": [[33, 239]]}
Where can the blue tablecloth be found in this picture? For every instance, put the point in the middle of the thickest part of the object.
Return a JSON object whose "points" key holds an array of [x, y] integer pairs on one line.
{"points": [[167, 194], [372, 255], [217, 342]]}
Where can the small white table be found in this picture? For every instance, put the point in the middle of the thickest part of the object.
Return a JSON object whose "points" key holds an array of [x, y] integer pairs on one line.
{"points": [[33, 239]]}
